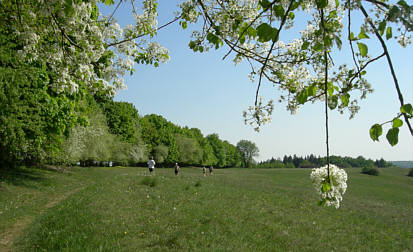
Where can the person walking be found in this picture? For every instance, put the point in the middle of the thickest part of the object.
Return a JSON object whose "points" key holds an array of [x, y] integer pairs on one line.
{"points": [[204, 171], [176, 169], [211, 170], [151, 165]]}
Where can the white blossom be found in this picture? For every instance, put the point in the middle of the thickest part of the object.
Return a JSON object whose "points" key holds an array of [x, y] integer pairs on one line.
{"points": [[330, 188]]}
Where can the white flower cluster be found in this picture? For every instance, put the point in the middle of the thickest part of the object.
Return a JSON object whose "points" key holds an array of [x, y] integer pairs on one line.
{"points": [[330, 188], [81, 46], [259, 114]]}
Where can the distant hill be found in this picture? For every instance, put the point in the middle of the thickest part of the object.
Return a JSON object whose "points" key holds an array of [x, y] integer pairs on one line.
{"points": [[403, 164]]}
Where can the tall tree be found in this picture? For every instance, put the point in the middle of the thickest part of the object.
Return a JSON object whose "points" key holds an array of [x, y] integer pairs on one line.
{"points": [[248, 151]]}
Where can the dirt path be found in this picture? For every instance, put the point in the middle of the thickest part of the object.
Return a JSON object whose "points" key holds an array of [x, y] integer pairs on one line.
{"points": [[10, 235]]}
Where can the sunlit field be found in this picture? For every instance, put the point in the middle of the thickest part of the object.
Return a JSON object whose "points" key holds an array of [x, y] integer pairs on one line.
{"points": [[124, 209]]}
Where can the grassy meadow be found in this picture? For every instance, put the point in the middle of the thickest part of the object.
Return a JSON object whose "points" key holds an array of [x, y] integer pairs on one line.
{"points": [[124, 209]]}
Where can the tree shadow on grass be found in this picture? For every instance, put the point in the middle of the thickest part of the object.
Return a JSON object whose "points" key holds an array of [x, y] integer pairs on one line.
{"points": [[25, 177]]}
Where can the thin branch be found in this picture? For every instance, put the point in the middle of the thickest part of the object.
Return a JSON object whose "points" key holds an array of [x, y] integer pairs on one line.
{"points": [[365, 65], [113, 13], [326, 93], [133, 8], [396, 82], [349, 40], [277, 35], [390, 121], [141, 35], [378, 3], [253, 21], [64, 33]]}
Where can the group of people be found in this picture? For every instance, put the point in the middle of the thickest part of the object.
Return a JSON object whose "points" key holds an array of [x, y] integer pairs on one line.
{"points": [[151, 165]]}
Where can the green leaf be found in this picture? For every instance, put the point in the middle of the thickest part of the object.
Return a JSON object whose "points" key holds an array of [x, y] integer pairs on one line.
{"points": [[318, 47], [294, 6], [69, 10], [363, 49], [192, 44], [305, 45], [394, 13], [279, 10], [326, 187], [393, 136], [252, 33], [311, 90], [291, 15], [345, 98], [362, 34], [322, 4], [375, 132], [302, 96], [351, 36], [242, 39], [109, 2], [338, 42], [397, 123], [403, 4], [266, 32], [407, 109], [389, 33], [382, 27], [327, 42], [213, 39], [184, 25], [332, 102], [265, 4]]}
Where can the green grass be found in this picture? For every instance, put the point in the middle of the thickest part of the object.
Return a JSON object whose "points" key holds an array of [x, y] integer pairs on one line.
{"points": [[124, 209]]}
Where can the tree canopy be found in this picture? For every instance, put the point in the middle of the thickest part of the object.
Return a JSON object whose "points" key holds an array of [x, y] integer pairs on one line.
{"points": [[248, 151]]}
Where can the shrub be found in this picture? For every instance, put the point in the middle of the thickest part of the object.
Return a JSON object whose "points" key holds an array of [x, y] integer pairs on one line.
{"points": [[370, 171], [149, 181], [410, 173], [198, 184]]}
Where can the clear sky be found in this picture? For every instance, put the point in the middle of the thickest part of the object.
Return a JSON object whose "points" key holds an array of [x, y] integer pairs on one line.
{"points": [[205, 92]]}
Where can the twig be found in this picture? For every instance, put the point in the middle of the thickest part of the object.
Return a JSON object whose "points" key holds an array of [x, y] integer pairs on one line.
{"points": [[113, 13], [141, 35], [64, 33], [395, 81], [349, 40], [326, 93], [253, 21], [270, 51]]}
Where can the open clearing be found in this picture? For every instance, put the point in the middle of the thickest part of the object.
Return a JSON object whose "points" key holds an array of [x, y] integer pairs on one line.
{"points": [[124, 209]]}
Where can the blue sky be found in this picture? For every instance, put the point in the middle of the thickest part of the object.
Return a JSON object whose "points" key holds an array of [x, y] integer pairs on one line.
{"points": [[203, 91]]}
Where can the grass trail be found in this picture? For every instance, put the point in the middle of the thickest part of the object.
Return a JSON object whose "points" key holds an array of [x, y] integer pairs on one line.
{"points": [[123, 209]]}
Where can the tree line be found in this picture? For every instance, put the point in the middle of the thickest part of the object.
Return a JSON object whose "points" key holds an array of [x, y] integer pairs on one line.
{"points": [[311, 161], [94, 130]]}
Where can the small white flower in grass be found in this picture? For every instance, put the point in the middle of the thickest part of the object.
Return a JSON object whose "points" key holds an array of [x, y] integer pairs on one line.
{"points": [[331, 191], [174, 208]]}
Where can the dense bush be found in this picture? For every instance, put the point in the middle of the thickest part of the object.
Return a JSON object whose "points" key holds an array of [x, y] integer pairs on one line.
{"points": [[410, 173], [370, 171]]}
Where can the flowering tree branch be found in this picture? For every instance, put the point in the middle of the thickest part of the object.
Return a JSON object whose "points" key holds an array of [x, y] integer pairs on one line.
{"points": [[142, 35], [390, 64], [275, 39], [64, 33]]}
